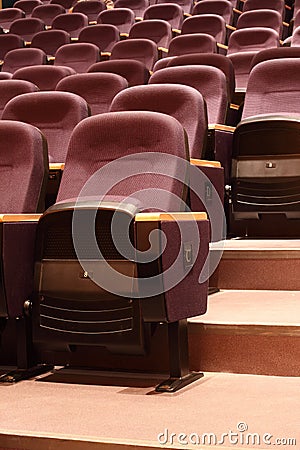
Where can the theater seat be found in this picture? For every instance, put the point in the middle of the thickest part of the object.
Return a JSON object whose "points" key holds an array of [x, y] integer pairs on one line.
{"points": [[121, 309], [265, 175], [27, 172]]}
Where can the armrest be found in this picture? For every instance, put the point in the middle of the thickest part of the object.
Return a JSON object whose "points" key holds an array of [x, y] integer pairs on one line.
{"points": [[205, 163], [237, 11], [105, 53], [6, 218], [163, 49], [220, 127], [230, 27], [56, 166], [175, 30], [222, 46], [170, 217]]}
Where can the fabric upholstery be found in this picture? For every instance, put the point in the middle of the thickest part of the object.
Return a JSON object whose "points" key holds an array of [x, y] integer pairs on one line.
{"points": [[72, 23], [158, 31], [27, 6], [22, 167], [54, 113], [11, 88], [134, 71], [22, 57], [47, 12], [102, 35], [27, 28], [206, 23], [219, 7], [91, 9], [268, 90], [220, 61], [183, 103], [261, 18], [122, 18], [171, 12], [209, 81], [98, 89], [79, 56], [137, 6], [192, 43], [9, 15], [44, 77], [107, 137], [49, 41], [142, 50], [9, 42]]}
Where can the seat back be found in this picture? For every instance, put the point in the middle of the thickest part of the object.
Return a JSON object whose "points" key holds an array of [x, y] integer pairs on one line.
{"points": [[72, 23], [104, 36], [23, 167], [171, 12], [186, 5], [183, 103], [261, 18], [67, 4], [122, 18], [54, 113], [23, 57], [277, 5], [252, 39], [133, 71], [158, 31], [142, 50], [206, 23], [268, 90], [9, 42], [192, 43], [219, 7], [295, 42], [91, 8], [137, 6], [11, 88], [209, 59], [9, 15], [98, 89], [91, 148], [27, 5], [275, 53], [27, 28], [49, 41], [44, 77], [47, 12], [79, 56], [209, 81]]}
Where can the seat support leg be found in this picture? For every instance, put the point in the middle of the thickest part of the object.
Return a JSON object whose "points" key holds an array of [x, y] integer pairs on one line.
{"points": [[180, 376]]}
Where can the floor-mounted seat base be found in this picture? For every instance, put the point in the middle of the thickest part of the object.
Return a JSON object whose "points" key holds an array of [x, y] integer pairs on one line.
{"points": [[174, 384], [25, 374]]}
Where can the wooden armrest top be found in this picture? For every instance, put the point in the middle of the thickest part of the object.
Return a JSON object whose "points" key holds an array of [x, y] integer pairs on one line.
{"points": [[56, 166], [225, 47], [205, 163], [170, 217], [19, 217], [163, 49], [230, 27], [237, 11], [234, 106], [217, 126]]}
